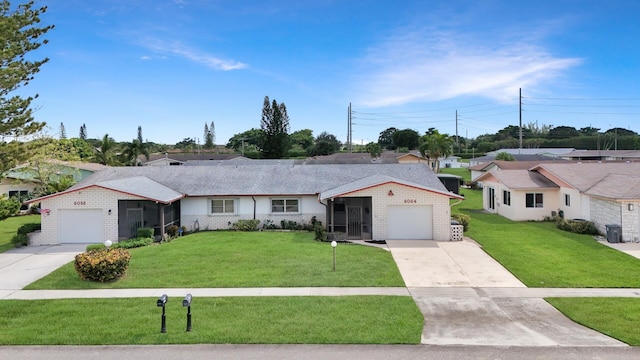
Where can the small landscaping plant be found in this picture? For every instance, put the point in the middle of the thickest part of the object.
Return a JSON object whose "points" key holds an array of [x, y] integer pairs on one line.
{"points": [[172, 231], [102, 265], [320, 231], [246, 225], [145, 233], [577, 226], [132, 243], [462, 219]]}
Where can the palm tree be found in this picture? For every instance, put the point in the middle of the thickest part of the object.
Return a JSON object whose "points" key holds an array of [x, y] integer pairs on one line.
{"points": [[435, 146], [133, 150], [105, 153]]}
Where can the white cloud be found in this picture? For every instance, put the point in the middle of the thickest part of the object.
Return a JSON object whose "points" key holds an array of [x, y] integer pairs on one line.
{"points": [[427, 65], [179, 49]]}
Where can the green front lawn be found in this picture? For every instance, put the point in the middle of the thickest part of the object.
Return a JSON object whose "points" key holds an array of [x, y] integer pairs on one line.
{"points": [[250, 320], [615, 317], [9, 226], [244, 259]]}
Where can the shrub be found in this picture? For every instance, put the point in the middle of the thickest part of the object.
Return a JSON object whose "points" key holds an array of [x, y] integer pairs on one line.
{"points": [[172, 231], [462, 219], [269, 225], [102, 265], [132, 243], [20, 240], [29, 228], [320, 231], [145, 233], [577, 226], [95, 247], [289, 225], [246, 225]]}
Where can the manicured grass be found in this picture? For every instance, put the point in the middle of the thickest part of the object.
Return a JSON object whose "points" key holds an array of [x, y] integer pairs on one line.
{"points": [[264, 320], [541, 255], [615, 317], [244, 259], [9, 226]]}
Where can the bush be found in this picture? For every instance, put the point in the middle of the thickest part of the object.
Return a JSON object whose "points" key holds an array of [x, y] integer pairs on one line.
{"points": [[320, 231], [577, 226], [29, 228], [95, 247], [462, 219], [102, 265], [20, 240], [172, 231], [246, 225], [145, 233], [132, 243]]}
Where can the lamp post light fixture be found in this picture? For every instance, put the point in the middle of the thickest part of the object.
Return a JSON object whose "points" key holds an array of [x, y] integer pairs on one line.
{"points": [[108, 243], [333, 245], [162, 301], [187, 303]]}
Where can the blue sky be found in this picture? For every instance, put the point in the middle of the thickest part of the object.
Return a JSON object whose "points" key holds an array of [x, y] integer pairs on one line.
{"points": [[171, 66]]}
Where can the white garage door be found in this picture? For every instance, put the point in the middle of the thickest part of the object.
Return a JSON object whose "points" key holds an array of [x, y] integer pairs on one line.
{"points": [[410, 222], [80, 226]]}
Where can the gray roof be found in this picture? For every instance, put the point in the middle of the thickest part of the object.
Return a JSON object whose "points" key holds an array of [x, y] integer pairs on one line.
{"points": [[144, 187], [257, 179]]}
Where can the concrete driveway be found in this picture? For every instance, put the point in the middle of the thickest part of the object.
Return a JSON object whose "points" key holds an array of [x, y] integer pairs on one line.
{"points": [[447, 280], [22, 266]]}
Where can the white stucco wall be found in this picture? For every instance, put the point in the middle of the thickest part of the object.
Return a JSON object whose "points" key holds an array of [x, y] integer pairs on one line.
{"points": [[518, 211], [195, 212], [405, 196], [575, 208], [7, 185], [91, 198]]}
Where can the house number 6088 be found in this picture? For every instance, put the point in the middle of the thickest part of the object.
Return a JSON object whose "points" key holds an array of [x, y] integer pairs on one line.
{"points": [[79, 203]]}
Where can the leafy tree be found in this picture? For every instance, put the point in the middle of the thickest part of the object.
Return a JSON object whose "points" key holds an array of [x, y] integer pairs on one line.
{"points": [[186, 144], [208, 137], [302, 138], [8, 207], [105, 153], [620, 132], [19, 37], [512, 132], [374, 149], [62, 183], [589, 131], [505, 156], [406, 138], [275, 130], [63, 132], [563, 132], [325, 144], [435, 146], [83, 132], [246, 141], [133, 151], [386, 139]]}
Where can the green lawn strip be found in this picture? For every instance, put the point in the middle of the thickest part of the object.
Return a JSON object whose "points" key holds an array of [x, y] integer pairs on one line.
{"points": [[541, 255], [244, 259], [9, 226], [234, 320], [615, 317], [463, 172]]}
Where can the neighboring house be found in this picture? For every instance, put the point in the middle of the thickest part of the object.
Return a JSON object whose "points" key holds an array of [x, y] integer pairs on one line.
{"points": [[450, 162], [604, 193], [603, 155], [522, 157], [478, 170], [549, 152], [180, 158], [22, 180], [362, 201]]}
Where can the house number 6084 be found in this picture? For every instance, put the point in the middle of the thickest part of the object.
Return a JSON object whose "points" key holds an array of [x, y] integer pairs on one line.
{"points": [[410, 201]]}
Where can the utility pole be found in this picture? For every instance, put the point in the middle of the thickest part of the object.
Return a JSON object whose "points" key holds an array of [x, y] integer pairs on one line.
{"points": [[349, 129], [457, 138], [520, 111]]}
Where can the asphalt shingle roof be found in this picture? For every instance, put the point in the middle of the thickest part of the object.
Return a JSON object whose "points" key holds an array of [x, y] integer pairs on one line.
{"points": [[263, 179]]}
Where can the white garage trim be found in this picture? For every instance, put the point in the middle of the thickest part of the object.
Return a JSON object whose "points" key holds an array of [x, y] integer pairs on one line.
{"points": [[80, 226], [410, 222]]}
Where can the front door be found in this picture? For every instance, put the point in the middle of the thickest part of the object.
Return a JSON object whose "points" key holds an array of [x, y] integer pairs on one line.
{"points": [[354, 222]]}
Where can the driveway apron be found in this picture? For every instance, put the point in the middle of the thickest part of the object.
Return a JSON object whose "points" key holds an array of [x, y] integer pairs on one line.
{"points": [[446, 280]]}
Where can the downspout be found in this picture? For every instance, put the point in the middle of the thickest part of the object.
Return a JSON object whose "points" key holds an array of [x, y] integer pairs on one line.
{"points": [[254, 207], [325, 210]]}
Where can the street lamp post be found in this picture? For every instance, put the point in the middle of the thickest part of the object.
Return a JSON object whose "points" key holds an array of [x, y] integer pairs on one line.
{"points": [[333, 245]]}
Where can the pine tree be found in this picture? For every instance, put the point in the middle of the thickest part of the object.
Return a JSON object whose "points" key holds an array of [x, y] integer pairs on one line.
{"points": [[275, 129], [208, 140], [63, 132], [83, 132], [212, 130], [19, 37]]}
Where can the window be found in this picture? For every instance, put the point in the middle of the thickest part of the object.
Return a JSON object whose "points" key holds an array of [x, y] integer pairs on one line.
{"points": [[534, 200], [284, 206], [567, 200], [223, 206], [19, 194], [506, 197]]}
